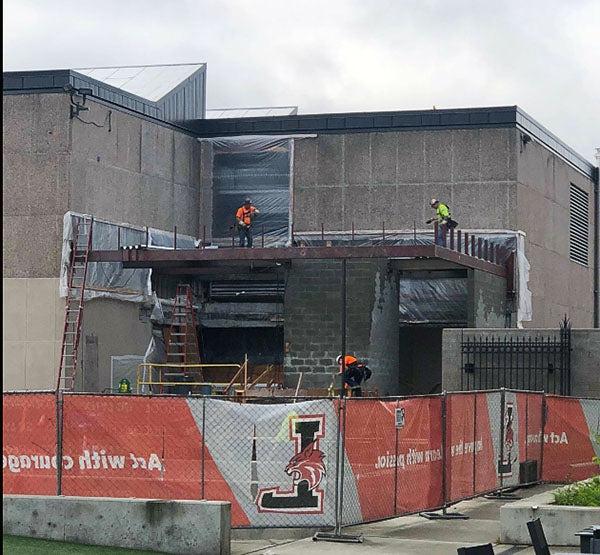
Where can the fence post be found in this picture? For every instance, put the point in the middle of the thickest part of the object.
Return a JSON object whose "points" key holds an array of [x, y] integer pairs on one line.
{"points": [[59, 440], [544, 418], [202, 455], [396, 467], [446, 501], [336, 535]]}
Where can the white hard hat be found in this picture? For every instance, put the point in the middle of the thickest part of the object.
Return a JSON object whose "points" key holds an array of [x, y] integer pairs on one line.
{"points": [[433, 201]]}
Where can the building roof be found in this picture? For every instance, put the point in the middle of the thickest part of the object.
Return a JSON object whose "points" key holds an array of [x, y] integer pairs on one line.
{"points": [[150, 82], [409, 120], [166, 92], [226, 113]]}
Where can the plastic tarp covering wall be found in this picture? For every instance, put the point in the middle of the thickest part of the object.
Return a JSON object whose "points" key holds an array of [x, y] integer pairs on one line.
{"points": [[124, 366], [110, 279], [418, 296], [432, 301], [259, 168]]}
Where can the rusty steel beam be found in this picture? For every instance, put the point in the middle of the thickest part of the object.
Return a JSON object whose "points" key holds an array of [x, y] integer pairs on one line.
{"points": [[150, 258]]}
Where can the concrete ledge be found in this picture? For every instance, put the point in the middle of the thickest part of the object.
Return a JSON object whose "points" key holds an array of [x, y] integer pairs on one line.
{"points": [[560, 522], [152, 524]]}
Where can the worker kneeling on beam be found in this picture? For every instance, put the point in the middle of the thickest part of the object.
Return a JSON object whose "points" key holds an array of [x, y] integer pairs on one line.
{"points": [[443, 218], [355, 374], [244, 216]]}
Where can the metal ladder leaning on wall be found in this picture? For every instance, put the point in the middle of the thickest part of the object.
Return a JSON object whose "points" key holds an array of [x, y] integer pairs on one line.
{"points": [[182, 347], [81, 245]]}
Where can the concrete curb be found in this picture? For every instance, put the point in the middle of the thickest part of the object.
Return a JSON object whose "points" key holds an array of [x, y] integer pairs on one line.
{"points": [[560, 522], [167, 526]]}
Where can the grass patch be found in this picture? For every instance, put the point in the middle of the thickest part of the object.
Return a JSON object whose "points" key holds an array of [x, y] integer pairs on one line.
{"points": [[583, 494], [17, 545]]}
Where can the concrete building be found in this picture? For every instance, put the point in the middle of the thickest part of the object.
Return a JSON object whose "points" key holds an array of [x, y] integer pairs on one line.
{"points": [[142, 165]]}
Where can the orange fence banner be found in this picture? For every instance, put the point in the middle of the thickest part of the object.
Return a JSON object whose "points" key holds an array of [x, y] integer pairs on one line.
{"points": [[29, 444], [571, 439]]}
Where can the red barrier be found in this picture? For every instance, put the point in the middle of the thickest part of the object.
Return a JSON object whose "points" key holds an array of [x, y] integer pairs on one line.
{"points": [[29, 444], [470, 460], [397, 470], [569, 431], [153, 447]]}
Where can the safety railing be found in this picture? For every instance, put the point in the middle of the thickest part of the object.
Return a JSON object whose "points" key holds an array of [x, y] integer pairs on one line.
{"points": [[154, 378], [293, 462]]}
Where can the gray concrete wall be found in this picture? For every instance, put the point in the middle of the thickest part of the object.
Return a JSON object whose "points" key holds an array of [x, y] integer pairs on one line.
{"points": [[128, 170], [487, 304], [370, 178], [558, 285], [585, 356], [560, 522], [35, 183], [134, 171], [110, 328], [312, 313], [149, 524]]}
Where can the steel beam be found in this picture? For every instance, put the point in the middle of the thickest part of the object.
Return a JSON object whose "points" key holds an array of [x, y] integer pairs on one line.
{"points": [[256, 257]]}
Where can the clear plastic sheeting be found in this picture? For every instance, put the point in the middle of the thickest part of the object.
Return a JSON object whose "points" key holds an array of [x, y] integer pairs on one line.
{"points": [[110, 279], [259, 168], [124, 367], [433, 301], [417, 295]]}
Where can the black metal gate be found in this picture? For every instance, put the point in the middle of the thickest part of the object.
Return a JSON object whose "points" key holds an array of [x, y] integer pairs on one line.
{"points": [[532, 362]]}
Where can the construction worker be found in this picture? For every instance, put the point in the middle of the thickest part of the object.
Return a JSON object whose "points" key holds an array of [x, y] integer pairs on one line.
{"points": [[444, 220], [354, 374], [124, 386], [244, 216]]}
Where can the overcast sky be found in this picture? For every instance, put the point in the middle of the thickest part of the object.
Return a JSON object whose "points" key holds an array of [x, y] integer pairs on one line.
{"points": [[340, 55]]}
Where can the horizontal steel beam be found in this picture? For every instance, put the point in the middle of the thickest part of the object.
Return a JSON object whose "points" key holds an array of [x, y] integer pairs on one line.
{"points": [[195, 258]]}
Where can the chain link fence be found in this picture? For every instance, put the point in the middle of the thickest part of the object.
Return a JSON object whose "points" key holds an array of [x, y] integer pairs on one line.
{"points": [[296, 463]]}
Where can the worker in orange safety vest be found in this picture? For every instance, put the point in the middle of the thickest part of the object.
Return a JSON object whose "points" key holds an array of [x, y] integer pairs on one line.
{"points": [[354, 374], [244, 216]]}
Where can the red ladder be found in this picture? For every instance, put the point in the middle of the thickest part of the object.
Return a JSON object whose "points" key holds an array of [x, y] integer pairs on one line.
{"points": [[182, 347], [81, 244]]}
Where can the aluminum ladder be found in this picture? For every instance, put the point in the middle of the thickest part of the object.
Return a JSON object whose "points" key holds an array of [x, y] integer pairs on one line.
{"points": [[81, 245]]}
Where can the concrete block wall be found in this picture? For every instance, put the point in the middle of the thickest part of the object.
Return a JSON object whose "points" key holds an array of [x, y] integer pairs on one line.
{"points": [[585, 356], [558, 285], [312, 312], [370, 178]]}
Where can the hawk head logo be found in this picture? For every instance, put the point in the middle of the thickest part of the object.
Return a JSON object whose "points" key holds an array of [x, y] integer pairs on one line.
{"points": [[307, 465]]}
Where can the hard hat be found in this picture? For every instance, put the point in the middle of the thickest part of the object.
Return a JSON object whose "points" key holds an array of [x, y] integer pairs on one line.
{"points": [[434, 201], [339, 359], [247, 201]]}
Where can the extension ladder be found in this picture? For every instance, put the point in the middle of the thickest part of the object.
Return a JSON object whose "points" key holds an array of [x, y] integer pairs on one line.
{"points": [[81, 245]]}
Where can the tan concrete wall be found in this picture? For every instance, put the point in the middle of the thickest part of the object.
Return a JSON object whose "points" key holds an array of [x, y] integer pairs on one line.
{"points": [[33, 316], [558, 285]]}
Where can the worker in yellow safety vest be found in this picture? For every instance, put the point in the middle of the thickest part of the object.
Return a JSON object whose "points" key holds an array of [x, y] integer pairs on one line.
{"points": [[443, 218]]}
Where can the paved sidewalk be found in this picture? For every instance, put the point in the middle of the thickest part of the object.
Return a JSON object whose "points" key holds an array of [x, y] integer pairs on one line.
{"points": [[409, 534]]}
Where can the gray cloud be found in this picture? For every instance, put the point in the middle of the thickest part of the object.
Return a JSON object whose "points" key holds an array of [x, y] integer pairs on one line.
{"points": [[338, 55]]}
